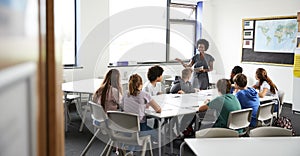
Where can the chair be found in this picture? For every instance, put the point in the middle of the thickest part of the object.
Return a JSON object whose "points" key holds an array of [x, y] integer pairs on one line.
{"points": [[265, 114], [216, 133], [240, 120], [208, 133], [67, 100], [127, 131], [99, 118], [270, 132], [280, 103], [206, 119]]}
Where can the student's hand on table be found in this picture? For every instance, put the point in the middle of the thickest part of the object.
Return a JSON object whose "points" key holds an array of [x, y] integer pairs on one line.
{"points": [[180, 92], [206, 101]]}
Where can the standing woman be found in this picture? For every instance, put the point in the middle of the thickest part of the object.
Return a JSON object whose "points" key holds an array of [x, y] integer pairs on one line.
{"points": [[264, 84], [109, 94], [203, 63]]}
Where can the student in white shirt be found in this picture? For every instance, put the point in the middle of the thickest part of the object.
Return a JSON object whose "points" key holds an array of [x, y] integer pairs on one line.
{"points": [[264, 84], [153, 86]]}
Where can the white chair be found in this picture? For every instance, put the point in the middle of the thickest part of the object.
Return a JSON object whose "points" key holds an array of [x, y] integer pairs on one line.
{"points": [[68, 100], [270, 132], [240, 120], [280, 103], [127, 131], [216, 133], [265, 114], [99, 119], [208, 133], [206, 119]]}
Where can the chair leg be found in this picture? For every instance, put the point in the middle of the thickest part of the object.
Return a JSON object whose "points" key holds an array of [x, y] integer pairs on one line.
{"points": [[110, 148], [83, 119], [144, 148], [90, 143], [150, 147], [105, 150]]}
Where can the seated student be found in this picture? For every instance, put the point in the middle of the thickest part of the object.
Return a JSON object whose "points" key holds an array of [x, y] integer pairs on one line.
{"points": [[264, 84], [182, 85], [136, 101], [109, 94], [247, 96], [153, 86], [223, 104], [234, 71]]}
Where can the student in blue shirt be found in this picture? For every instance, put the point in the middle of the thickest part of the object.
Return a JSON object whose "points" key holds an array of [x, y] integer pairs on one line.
{"points": [[247, 96]]}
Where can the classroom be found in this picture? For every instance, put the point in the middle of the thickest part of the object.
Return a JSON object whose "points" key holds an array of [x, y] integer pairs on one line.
{"points": [[65, 50]]}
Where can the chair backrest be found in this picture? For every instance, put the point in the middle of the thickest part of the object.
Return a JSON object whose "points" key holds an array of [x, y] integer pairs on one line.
{"points": [[239, 119], [216, 133], [124, 127], [124, 119], [270, 132], [97, 112], [265, 112], [280, 96]]}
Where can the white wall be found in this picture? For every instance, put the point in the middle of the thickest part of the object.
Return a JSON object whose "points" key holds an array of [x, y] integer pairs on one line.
{"points": [[223, 26]]}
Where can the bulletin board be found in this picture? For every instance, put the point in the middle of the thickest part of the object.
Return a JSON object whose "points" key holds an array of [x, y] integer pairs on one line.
{"points": [[270, 40]]}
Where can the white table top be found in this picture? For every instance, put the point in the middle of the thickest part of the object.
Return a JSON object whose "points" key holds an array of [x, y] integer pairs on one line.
{"points": [[255, 146], [179, 104], [88, 86]]}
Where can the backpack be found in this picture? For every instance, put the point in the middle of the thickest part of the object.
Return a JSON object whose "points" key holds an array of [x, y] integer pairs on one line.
{"points": [[283, 122]]}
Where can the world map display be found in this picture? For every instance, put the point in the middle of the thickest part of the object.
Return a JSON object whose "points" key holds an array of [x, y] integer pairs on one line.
{"points": [[275, 35]]}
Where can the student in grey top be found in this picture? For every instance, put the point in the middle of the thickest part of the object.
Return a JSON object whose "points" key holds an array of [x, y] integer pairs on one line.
{"points": [[183, 85]]}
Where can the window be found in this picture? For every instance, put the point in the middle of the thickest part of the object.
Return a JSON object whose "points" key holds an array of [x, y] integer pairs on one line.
{"points": [[182, 31], [65, 28]]}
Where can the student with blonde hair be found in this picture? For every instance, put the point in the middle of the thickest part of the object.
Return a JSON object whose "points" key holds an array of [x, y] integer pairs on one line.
{"points": [[183, 85]]}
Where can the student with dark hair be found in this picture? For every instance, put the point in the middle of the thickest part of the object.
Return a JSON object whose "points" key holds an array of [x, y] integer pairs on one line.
{"points": [[247, 96], [203, 63], [235, 70], [109, 94], [223, 104], [154, 75], [182, 85]]}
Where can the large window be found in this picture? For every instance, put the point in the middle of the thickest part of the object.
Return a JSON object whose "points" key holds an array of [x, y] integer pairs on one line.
{"points": [[65, 30], [172, 34], [169, 33], [181, 31]]}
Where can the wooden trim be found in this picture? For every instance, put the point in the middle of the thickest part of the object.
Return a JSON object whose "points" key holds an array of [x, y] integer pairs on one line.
{"points": [[55, 124], [42, 141]]}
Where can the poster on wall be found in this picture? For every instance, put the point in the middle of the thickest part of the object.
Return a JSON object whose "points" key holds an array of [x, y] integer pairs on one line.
{"points": [[269, 40], [278, 35], [248, 25], [248, 44], [248, 34]]}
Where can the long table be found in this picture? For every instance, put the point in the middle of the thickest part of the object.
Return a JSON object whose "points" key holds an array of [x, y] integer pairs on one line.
{"points": [[174, 105], [274, 146]]}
